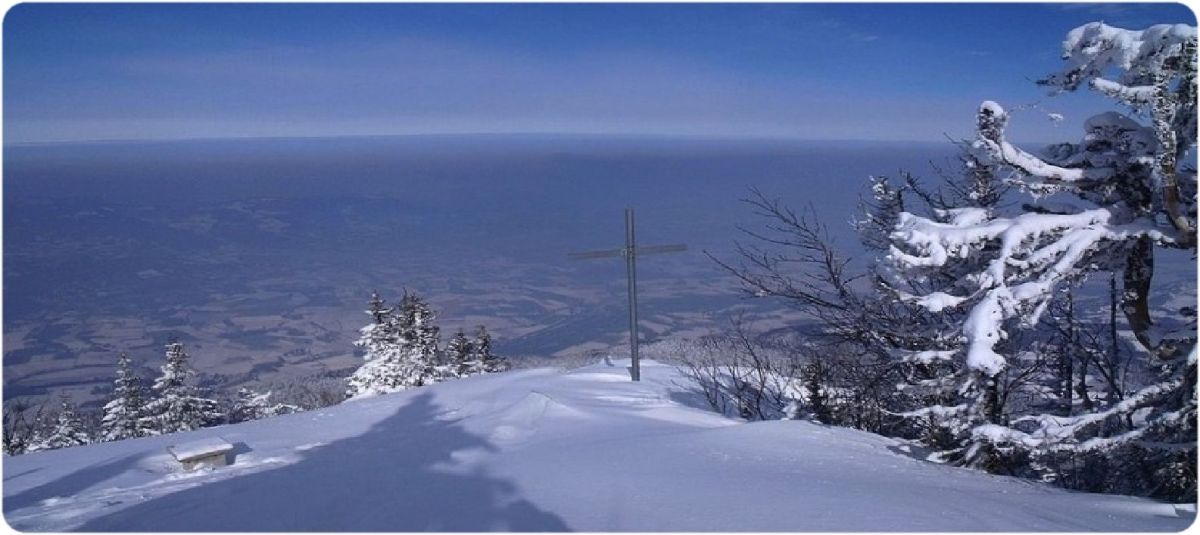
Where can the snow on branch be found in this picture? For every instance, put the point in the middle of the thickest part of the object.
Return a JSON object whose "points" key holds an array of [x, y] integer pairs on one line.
{"points": [[926, 357], [936, 411], [1036, 253], [1094, 49], [1058, 433], [992, 120], [1137, 96]]}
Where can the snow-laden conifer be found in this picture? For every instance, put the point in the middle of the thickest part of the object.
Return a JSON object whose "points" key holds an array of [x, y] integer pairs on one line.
{"points": [[417, 327], [460, 356], [1131, 196], [124, 416], [400, 346], [251, 405], [67, 431], [485, 361], [178, 405]]}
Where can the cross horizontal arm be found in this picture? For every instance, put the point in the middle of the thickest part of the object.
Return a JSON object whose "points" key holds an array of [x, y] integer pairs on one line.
{"points": [[658, 249], [651, 249], [596, 254]]}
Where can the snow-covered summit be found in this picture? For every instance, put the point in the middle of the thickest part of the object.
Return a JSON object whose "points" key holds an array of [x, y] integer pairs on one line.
{"points": [[541, 449]]}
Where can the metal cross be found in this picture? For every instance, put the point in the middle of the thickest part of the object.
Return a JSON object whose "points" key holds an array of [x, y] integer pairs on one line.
{"points": [[631, 251]]}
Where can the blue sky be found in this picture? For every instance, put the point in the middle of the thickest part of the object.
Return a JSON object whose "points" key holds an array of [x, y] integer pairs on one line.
{"points": [[809, 71]]}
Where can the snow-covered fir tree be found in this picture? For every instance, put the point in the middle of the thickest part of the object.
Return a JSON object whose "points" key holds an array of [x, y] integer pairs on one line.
{"points": [[952, 397], [401, 348], [248, 405], [379, 340], [67, 431], [460, 355], [378, 309], [484, 360], [251, 405], [124, 416], [417, 327], [1129, 194], [177, 404]]}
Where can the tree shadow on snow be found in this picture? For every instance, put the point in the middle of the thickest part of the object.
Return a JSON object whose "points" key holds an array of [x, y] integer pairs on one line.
{"points": [[70, 484], [386, 479]]}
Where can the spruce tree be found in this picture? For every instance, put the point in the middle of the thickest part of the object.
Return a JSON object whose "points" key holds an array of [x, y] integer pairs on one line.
{"points": [[401, 347], [124, 416], [485, 360], [377, 309], [417, 328], [251, 405], [460, 352], [1115, 198], [178, 406], [68, 430], [378, 340], [815, 375]]}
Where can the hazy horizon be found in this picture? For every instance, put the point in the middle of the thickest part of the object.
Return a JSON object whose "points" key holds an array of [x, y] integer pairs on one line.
{"points": [[790, 71]]}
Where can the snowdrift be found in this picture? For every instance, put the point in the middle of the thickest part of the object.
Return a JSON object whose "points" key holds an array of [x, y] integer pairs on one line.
{"points": [[541, 450]]}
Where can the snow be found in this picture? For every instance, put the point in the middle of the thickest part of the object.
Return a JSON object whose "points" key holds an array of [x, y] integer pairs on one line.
{"points": [[982, 330], [938, 301], [542, 449], [1042, 249], [1139, 95], [1098, 46], [929, 356], [200, 448], [1110, 119], [991, 145]]}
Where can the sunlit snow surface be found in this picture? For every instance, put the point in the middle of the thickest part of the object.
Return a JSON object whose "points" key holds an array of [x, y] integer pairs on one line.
{"points": [[542, 450]]}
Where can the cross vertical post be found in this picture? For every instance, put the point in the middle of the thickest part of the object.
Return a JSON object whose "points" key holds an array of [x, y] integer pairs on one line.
{"points": [[630, 252], [631, 268]]}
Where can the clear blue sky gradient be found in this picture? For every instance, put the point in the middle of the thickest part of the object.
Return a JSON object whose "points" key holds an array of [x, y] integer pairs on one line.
{"points": [[812, 71]]}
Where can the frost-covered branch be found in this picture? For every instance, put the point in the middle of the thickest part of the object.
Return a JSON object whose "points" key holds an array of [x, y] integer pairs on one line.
{"points": [[992, 121], [1120, 194], [1096, 48], [1056, 433]]}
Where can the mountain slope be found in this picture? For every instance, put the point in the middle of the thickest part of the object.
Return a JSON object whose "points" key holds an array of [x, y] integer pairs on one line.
{"points": [[541, 450]]}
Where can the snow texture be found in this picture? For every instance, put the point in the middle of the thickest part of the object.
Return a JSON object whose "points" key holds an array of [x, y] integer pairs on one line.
{"points": [[1036, 253], [1096, 48], [542, 449]]}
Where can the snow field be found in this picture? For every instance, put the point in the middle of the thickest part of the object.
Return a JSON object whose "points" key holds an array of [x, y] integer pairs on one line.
{"points": [[542, 449]]}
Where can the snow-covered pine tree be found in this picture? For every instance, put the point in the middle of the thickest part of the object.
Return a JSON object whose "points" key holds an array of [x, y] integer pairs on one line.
{"points": [[401, 349], [68, 430], [485, 360], [460, 355], [1131, 195], [815, 376], [124, 416], [950, 398], [417, 326], [177, 405], [378, 309], [251, 405], [379, 341], [248, 405]]}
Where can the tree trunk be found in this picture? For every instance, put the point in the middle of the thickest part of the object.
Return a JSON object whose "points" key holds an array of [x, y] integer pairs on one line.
{"points": [[1067, 358], [1139, 269]]}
